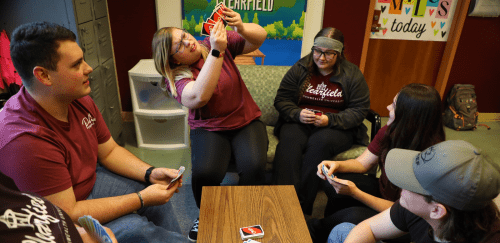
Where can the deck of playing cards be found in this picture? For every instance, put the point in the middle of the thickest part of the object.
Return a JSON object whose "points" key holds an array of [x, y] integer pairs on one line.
{"points": [[94, 228], [172, 182], [216, 15], [325, 172], [251, 232]]}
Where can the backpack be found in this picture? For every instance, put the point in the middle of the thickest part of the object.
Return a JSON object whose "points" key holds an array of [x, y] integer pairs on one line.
{"points": [[461, 113]]}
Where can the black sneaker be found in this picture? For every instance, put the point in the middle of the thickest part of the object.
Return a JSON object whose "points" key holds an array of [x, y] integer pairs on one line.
{"points": [[193, 233]]}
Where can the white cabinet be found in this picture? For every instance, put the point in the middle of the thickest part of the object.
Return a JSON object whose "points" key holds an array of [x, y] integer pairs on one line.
{"points": [[160, 121]]}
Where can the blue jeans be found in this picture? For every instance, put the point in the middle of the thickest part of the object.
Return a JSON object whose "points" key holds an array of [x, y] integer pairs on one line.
{"points": [[340, 232], [149, 224]]}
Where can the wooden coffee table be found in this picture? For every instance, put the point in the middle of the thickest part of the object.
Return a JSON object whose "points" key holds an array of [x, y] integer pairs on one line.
{"points": [[225, 209]]}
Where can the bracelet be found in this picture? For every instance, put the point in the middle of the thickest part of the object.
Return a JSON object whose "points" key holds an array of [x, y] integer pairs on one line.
{"points": [[148, 174], [140, 198]]}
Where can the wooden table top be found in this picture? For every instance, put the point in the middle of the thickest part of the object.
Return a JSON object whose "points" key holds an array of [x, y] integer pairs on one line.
{"points": [[226, 209]]}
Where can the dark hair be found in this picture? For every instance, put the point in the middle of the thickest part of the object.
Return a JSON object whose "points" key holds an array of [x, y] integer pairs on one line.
{"points": [[467, 226], [418, 123], [35, 44], [329, 32]]}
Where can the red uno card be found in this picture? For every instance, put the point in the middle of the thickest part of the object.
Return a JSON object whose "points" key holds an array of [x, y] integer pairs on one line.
{"points": [[216, 17], [210, 21], [251, 232], [206, 29]]}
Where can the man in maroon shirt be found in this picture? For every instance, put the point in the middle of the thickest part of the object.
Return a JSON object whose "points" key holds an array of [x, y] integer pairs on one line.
{"points": [[52, 135]]}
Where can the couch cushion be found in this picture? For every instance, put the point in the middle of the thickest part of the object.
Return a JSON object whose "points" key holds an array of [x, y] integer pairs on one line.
{"points": [[262, 83]]}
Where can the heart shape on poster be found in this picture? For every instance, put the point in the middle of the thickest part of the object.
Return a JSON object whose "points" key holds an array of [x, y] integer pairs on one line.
{"points": [[407, 10], [442, 24], [385, 20], [443, 33], [383, 8], [435, 32], [385, 31], [433, 23], [431, 11]]}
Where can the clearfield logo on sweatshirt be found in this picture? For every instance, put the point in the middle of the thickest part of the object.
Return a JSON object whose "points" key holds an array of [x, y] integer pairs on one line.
{"points": [[323, 90], [88, 121]]}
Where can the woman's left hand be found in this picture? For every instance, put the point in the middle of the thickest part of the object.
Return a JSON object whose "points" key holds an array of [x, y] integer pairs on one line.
{"points": [[343, 187], [321, 121], [233, 19]]}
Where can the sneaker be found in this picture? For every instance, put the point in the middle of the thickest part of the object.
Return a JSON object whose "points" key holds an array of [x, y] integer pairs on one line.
{"points": [[193, 233]]}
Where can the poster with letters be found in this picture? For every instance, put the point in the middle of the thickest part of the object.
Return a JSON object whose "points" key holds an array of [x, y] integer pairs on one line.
{"points": [[425, 20]]}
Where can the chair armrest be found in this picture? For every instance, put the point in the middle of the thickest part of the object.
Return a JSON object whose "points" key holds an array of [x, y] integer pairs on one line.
{"points": [[374, 118]]}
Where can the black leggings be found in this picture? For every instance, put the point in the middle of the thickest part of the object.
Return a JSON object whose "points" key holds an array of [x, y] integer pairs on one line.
{"points": [[301, 148], [211, 153]]}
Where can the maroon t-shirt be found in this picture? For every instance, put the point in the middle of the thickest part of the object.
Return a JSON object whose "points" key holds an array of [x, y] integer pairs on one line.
{"points": [[44, 155], [25, 217], [323, 95], [388, 190], [231, 105]]}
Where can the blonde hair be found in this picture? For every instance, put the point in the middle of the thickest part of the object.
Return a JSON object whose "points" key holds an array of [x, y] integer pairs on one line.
{"points": [[162, 43]]}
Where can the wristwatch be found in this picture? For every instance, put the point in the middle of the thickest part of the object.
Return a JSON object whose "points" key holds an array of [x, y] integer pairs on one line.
{"points": [[216, 53]]}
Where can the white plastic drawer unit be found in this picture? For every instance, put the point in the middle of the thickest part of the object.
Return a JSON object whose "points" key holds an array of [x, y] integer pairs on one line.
{"points": [[160, 121]]}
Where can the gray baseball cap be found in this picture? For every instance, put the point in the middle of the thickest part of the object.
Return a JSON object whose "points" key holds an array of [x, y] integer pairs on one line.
{"points": [[453, 172]]}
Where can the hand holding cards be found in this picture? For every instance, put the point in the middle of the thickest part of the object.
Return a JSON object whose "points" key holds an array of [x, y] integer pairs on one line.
{"points": [[331, 177], [217, 15], [179, 174], [94, 228], [325, 172]]}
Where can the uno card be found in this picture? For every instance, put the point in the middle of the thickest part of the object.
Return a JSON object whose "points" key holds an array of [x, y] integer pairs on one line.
{"points": [[216, 17], [94, 228], [181, 170], [206, 28], [325, 172], [251, 232], [318, 113], [210, 21]]}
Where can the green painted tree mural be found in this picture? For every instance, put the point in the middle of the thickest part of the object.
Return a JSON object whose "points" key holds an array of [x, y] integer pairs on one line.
{"points": [[280, 30], [245, 19], [192, 25], [255, 19], [301, 21], [290, 29]]}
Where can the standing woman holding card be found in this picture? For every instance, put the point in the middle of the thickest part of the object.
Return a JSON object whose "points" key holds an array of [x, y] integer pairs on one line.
{"points": [[325, 81], [223, 117]]}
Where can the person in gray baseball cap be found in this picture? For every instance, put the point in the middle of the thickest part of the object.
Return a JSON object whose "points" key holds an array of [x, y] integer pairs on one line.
{"points": [[447, 196]]}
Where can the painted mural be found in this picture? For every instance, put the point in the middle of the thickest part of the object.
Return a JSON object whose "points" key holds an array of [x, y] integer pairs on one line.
{"points": [[283, 21]]}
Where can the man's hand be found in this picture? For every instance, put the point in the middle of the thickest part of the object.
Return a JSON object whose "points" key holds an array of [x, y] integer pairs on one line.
{"points": [[157, 194], [162, 176]]}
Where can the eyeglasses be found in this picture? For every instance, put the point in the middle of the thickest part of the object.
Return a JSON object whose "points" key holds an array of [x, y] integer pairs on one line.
{"points": [[328, 54], [181, 46]]}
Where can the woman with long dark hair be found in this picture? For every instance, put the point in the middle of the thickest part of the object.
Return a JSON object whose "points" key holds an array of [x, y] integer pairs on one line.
{"points": [[415, 122], [322, 102]]}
